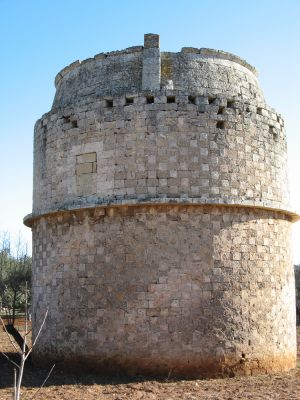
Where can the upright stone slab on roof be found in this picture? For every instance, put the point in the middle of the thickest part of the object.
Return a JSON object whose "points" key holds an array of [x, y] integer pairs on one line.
{"points": [[151, 63], [161, 218]]}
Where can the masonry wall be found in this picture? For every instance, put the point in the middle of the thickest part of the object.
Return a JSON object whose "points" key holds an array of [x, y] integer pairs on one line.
{"points": [[196, 290], [201, 71], [101, 76], [220, 150]]}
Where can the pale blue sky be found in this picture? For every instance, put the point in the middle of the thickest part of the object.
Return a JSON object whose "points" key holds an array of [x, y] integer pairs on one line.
{"points": [[38, 38]]}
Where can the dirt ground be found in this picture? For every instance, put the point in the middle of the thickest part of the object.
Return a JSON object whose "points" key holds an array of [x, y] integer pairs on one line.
{"points": [[70, 386]]}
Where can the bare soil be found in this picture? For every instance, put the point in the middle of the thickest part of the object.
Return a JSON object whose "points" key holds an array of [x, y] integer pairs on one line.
{"points": [[66, 385]]}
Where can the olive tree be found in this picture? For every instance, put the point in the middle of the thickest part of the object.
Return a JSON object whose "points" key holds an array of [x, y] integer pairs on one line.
{"points": [[15, 274]]}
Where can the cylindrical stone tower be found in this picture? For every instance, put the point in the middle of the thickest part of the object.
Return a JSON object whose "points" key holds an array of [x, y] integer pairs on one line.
{"points": [[161, 220]]}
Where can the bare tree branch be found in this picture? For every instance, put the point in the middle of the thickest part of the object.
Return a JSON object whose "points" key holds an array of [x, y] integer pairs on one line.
{"points": [[38, 334], [6, 356], [28, 332], [43, 384], [15, 383]]}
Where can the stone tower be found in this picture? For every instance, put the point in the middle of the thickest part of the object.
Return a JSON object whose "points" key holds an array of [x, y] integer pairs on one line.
{"points": [[161, 220]]}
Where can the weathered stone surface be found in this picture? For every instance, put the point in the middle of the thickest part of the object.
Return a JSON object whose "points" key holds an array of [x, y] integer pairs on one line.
{"points": [[149, 289], [164, 150], [161, 219]]}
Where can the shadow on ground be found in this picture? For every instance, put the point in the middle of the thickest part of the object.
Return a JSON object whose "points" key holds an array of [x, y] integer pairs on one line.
{"points": [[35, 375]]}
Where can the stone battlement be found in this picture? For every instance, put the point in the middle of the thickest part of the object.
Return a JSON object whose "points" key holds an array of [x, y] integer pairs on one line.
{"points": [[204, 52], [142, 68]]}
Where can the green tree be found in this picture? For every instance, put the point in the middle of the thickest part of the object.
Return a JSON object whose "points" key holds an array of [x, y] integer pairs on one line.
{"points": [[15, 271]]}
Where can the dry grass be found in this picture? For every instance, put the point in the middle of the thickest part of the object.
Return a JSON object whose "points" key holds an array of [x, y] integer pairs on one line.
{"points": [[66, 385]]}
